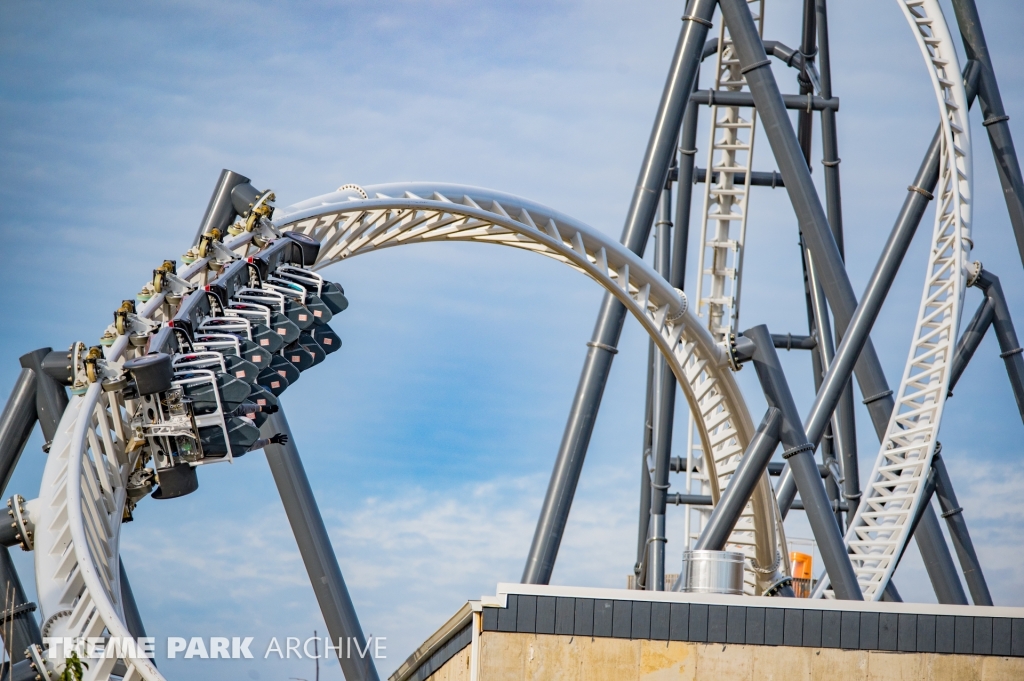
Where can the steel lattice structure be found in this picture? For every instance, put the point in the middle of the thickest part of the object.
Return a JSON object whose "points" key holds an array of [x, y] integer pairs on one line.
{"points": [[190, 374]]}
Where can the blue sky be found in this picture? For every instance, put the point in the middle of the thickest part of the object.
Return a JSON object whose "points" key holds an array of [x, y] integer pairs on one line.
{"points": [[430, 437]]}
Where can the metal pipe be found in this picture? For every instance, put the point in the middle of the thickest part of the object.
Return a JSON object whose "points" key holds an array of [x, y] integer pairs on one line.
{"points": [[814, 223], [132, 617], [804, 102], [315, 548], [800, 454], [664, 406], [51, 398], [742, 483], [808, 36], [853, 321], [758, 178], [996, 121], [644, 524], [653, 174], [962, 543], [16, 423], [970, 339], [790, 342], [845, 423], [1002, 324], [684, 192], [856, 332], [937, 561], [17, 617], [220, 211], [826, 352], [829, 140]]}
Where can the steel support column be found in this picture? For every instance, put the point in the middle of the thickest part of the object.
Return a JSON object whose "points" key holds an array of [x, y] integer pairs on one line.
{"points": [[820, 241], [16, 424], [644, 524], [937, 561], [845, 426], [315, 547], [653, 174], [664, 404], [742, 483], [995, 118], [962, 543], [132, 617], [800, 454], [1002, 324], [51, 398]]}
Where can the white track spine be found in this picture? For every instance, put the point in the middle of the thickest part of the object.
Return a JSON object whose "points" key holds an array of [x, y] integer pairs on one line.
{"points": [[730, 152], [880, 529], [450, 214]]}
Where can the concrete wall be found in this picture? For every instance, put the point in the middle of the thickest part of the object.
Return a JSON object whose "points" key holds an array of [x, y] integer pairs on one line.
{"points": [[544, 657]]}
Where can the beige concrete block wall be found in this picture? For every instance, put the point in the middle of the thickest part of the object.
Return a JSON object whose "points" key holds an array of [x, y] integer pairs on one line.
{"points": [[541, 657]]}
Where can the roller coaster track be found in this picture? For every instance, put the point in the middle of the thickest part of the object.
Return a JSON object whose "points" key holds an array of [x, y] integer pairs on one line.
{"points": [[730, 153], [82, 498], [82, 501], [722, 234], [881, 527]]}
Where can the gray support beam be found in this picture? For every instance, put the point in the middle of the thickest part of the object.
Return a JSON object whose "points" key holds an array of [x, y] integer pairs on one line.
{"points": [[829, 139], [855, 335], [808, 36], [16, 424], [825, 354], [219, 211], [742, 483], [962, 543], [970, 339], [804, 102], [23, 670], [845, 420], [315, 547], [758, 178], [995, 118], [800, 454], [644, 522], [22, 625], [1002, 324], [790, 342], [653, 175], [684, 193], [664, 404], [937, 561], [810, 215], [51, 398], [132, 617], [820, 241]]}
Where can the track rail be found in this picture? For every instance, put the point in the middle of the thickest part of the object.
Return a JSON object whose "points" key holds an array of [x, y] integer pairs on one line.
{"points": [[82, 497], [880, 530], [723, 233], [348, 225], [81, 504], [730, 152]]}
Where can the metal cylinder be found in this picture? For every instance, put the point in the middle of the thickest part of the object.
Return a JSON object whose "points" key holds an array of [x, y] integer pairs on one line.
{"points": [[712, 572]]}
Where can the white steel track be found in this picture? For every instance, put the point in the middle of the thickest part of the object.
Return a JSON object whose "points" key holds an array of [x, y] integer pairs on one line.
{"points": [[82, 495], [723, 232], [349, 225], [81, 505], [724, 225], [880, 529]]}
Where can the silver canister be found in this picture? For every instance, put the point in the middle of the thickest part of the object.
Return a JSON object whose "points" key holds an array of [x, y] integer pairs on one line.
{"points": [[712, 572]]}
